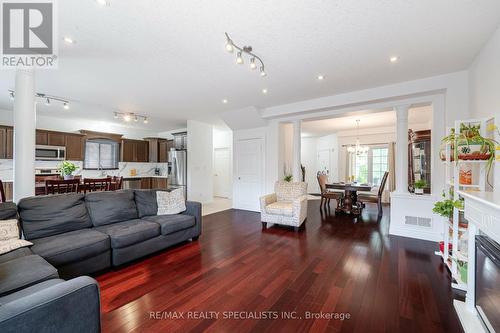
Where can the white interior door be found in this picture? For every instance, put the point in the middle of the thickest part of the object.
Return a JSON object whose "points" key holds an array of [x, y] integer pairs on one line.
{"points": [[222, 177], [248, 174]]}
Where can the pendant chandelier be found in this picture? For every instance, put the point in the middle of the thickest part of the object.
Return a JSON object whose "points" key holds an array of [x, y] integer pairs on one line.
{"points": [[358, 149]]}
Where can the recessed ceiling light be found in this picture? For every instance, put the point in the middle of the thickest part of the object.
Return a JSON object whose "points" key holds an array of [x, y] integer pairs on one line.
{"points": [[69, 40], [224, 101], [102, 2], [394, 59], [264, 91], [321, 77]]}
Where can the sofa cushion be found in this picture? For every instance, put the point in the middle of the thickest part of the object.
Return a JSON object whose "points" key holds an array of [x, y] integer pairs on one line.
{"points": [[171, 203], [111, 206], [50, 215], [24, 251], [127, 233], [172, 223], [23, 272], [284, 208], [71, 247], [30, 290], [146, 202]]}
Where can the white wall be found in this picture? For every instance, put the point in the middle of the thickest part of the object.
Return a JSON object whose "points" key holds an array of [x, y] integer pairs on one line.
{"points": [[330, 143], [309, 156], [200, 161], [224, 139], [285, 149], [484, 75]]}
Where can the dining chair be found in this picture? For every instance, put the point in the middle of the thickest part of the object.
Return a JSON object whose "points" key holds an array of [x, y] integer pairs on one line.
{"points": [[375, 197], [327, 195], [117, 182], [96, 184], [2, 192], [58, 186]]}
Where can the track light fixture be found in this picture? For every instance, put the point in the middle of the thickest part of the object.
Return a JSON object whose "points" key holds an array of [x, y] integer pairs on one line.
{"points": [[129, 116], [230, 46], [47, 99]]}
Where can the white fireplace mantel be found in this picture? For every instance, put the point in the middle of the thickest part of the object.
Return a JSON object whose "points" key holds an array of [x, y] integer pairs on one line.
{"points": [[482, 211]]}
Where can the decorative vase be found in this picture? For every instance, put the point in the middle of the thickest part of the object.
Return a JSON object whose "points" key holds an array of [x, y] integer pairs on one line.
{"points": [[68, 177]]}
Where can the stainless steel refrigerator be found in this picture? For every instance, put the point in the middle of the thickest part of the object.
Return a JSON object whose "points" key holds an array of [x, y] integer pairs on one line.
{"points": [[177, 178]]}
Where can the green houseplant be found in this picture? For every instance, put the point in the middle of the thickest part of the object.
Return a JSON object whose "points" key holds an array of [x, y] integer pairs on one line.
{"points": [[67, 168], [288, 178], [445, 207], [419, 186], [469, 144]]}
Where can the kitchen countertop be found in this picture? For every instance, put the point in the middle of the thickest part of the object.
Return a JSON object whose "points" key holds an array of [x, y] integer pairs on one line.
{"points": [[143, 176]]}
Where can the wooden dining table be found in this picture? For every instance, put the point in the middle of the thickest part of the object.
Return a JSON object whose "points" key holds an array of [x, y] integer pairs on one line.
{"points": [[350, 204]]}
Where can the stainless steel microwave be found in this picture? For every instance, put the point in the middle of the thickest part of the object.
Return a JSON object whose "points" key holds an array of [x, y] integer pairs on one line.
{"points": [[50, 153]]}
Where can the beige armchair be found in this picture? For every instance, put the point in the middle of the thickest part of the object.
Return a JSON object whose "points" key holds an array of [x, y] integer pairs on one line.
{"points": [[286, 206]]}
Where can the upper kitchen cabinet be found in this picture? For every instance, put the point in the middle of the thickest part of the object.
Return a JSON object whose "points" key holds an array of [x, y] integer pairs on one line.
{"points": [[158, 149], [56, 138], [73, 142], [42, 137], [6, 142], [50, 138], [74, 147], [134, 151]]}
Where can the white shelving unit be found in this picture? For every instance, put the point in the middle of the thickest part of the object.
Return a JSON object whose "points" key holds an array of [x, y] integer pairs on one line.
{"points": [[453, 232]]}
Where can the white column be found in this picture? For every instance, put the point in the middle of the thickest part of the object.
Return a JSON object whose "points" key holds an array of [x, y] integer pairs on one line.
{"points": [[24, 135], [402, 148], [296, 170]]}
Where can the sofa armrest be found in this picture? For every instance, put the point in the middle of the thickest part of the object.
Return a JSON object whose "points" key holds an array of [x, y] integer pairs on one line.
{"points": [[300, 206], [193, 208], [267, 200], [70, 306]]}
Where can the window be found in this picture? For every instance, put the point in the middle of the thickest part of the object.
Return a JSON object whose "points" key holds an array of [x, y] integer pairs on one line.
{"points": [[370, 167], [101, 154]]}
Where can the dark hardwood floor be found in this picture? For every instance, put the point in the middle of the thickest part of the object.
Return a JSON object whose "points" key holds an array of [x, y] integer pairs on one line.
{"points": [[337, 264]]}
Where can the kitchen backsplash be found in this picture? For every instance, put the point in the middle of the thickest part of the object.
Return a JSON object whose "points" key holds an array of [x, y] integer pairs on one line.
{"points": [[143, 169]]}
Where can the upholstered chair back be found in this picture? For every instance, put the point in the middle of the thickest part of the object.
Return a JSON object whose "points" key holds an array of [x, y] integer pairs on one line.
{"points": [[287, 191]]}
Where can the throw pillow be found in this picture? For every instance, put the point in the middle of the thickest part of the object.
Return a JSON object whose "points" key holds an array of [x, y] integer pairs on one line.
{"points": [[170, 203], [9, 229], [9, 237]]}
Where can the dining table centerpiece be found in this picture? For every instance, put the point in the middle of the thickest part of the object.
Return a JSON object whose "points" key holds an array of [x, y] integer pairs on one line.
{"points": [[67, 168]]}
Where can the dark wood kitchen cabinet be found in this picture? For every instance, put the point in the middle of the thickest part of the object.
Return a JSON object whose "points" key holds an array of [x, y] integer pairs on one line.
{"points": [[134, 151], [157, 149], [6, 142], [75, 150], [42, 137], [56, 138], [9, 140], [159, 183]]}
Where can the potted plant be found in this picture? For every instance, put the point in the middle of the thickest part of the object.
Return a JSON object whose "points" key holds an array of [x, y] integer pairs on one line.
{"points": [[471, 145], [419, 186], [67, 168], [445, 207], [288, 178]]}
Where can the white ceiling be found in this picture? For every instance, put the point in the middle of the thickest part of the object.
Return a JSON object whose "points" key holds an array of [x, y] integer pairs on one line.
{"points": [[418, 117], [166, 59]]}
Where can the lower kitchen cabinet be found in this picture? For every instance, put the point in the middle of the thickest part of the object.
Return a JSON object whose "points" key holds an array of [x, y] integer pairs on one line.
{"points": [[8, 189]]}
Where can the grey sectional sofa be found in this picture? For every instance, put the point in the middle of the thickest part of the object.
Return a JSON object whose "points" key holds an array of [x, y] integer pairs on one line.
{"points": [[73, 235]]}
